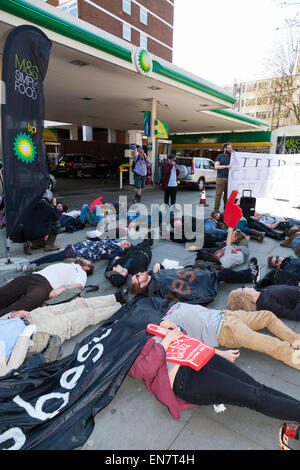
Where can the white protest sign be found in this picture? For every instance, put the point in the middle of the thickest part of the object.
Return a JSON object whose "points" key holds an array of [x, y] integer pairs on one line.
{"points": [[267, 175]]}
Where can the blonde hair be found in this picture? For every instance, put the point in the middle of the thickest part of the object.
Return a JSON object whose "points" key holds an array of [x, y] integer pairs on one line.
{"points": [[238, 300]]}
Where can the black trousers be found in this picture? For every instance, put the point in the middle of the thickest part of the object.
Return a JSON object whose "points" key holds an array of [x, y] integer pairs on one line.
{"points": [[170, 194], [260, 227], [220, 381], [242, 276], [24, 293]]}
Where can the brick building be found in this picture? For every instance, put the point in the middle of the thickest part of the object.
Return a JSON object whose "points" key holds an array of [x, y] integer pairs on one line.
{"points": [[142, 23]]}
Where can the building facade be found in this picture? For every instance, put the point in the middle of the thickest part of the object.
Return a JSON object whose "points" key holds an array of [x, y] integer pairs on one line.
{"points": [[140, 22], [271, 99]]}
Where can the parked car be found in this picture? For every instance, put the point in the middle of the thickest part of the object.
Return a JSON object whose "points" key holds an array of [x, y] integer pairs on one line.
{"points": [[195, 171], [52, 182], [78, 165]]}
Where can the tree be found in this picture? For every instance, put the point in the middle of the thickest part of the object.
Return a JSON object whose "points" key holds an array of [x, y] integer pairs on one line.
{"points": [[294, 21], [283, 90]]}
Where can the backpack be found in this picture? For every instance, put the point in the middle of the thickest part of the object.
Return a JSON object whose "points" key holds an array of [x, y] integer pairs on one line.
{"points": [[69, 295], [135, 162]]}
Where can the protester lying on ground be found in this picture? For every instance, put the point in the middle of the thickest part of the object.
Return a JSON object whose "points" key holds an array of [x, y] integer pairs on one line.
{"points": [[293, 242], [254, 225], [61, 208], [219, 381], [15, 336], [89, 250], [250, 232], [78, 219], [282, 300], [29, 292], [63, 320], [237, 329], [136, 259], [288, 264], [40, 226], [198, 286], [211, 226], [277, 222], [234, 253]]}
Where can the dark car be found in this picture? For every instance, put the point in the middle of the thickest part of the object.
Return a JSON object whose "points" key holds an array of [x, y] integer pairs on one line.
{"points": [[78, 165]]}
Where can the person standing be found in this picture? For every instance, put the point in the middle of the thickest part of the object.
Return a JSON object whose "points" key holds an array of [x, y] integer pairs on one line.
{"points": [[139, 168], [222, 165], [169, 184]]}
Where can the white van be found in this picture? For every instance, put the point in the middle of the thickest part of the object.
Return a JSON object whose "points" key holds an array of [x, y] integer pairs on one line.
{"points": [[196, 171]]}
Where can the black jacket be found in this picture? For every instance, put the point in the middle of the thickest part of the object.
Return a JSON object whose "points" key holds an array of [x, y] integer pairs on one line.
{"points": [[199, 286], [282, 300], [291, 265], [36, 224]]}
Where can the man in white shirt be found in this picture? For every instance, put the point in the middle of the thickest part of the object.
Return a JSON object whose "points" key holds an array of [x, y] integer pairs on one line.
{"points": [[29, 292]]}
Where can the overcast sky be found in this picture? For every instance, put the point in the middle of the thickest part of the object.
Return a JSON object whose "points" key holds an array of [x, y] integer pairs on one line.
{"points": [[223, 40]]}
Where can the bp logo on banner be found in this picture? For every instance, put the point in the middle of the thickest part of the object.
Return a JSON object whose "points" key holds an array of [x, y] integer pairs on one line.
{"points": [[24, 148]]}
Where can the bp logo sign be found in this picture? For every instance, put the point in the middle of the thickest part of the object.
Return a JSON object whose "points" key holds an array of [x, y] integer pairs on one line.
{"points": [[24, 148], [143, 61]]}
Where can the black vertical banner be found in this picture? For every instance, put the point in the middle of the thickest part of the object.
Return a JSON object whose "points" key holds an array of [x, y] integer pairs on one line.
{"points": [[25, 62]]}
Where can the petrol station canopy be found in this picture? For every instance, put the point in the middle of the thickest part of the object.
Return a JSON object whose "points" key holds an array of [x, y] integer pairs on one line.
{"points": [[94, 80]]}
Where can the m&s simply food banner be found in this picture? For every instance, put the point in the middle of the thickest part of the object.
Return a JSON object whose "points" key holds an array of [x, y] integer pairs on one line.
{"points": [[25, 62]]}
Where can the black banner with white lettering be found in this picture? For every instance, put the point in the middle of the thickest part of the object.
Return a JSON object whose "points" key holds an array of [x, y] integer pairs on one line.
{"points": [[24, 66], [53, 406]]}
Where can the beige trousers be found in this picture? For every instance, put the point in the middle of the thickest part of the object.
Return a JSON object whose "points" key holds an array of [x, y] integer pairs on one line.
{"points": [[65, 320], [240, 330], [69, 319], [221, 188]]}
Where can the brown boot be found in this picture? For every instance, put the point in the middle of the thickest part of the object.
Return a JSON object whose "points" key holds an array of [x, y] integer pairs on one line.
{"points": [[288, 242], [293, 230], [27, 247], [255, 235]]}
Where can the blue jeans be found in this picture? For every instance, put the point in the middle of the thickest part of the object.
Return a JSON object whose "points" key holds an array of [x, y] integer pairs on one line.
{"points": [[295, 243], [34, 361], [243, 226], [293, 221], [87, 215], [210, 228]]}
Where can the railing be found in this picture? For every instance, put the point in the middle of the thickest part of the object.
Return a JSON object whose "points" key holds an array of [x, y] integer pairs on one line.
{"points": [[123, 168]]}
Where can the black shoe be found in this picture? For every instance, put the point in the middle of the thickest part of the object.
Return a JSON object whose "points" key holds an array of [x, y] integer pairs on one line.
{"points": [[278, 235], [52, 351], [255, 271], [122, 293]]}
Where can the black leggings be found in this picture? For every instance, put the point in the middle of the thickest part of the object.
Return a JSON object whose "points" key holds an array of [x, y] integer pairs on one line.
{"points": [[220, 381], [260, 227], [243, 276]]}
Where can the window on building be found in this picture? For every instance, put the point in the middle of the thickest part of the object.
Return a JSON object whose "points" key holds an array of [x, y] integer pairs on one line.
{"points": [[265, 100], [261, 115], [126, 32], [70, 7], [143, 16], [127, 6], [143, 41]]}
